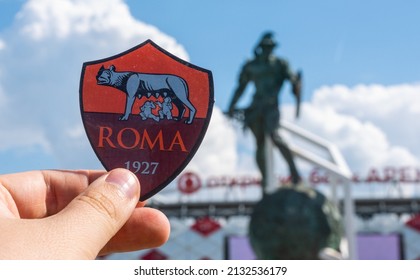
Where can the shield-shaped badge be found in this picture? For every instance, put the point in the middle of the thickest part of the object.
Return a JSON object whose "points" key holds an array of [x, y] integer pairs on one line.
{"points": [[146, 110]]}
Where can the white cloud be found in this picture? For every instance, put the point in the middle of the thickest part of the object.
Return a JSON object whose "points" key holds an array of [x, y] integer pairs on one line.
{"points": [[373, 126], [217, 154], [394, 109], [96, 23], [40, 70]]}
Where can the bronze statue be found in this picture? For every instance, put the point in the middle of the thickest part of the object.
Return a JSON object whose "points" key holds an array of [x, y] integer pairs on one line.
{"points": [[268, 73]]}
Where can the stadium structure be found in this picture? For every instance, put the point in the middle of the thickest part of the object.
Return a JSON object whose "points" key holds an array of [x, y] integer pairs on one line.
{"points": [[209, 216]]}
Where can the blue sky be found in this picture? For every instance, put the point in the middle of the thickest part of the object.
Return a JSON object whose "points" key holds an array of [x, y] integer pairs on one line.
{"points": [[333, 42], [360, 62]]}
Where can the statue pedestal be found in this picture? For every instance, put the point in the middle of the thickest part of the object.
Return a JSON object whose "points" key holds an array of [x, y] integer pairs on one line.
{"points": [[294, 223]]}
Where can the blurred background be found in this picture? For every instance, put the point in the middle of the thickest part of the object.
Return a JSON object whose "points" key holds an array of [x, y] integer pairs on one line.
{"points": [[361, 91]]}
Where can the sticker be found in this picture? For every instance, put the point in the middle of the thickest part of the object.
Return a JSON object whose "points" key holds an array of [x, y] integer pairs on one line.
{"points": [[146, 110]]}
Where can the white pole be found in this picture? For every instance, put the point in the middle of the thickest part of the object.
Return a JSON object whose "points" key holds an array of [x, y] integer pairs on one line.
{"points": [[334, 195], [269, 166], [349, 221]]}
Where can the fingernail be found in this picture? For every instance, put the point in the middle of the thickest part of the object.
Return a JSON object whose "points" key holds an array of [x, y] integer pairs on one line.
{"points": [[125, 180]]}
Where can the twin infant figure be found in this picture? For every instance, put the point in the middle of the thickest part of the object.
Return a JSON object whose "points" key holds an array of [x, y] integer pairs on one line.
{"points": [[165, 111]]}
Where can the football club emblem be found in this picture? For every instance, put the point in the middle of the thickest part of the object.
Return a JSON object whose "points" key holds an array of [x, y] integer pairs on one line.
{"points": [[146, 110]]}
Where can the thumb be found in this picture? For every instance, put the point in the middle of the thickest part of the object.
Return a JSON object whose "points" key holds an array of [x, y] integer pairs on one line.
{"points": [[96, 215]]}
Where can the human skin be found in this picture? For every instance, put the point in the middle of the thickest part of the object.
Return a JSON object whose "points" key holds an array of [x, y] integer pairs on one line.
{"points": [[75, 215]]}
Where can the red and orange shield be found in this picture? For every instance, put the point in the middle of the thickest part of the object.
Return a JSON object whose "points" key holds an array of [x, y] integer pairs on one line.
{"points": [[146, 110]]}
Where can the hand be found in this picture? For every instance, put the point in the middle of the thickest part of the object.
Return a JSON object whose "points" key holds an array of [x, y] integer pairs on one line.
{"points": [[75, 215]]}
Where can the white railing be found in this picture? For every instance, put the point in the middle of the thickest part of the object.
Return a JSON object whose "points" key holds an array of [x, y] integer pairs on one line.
{"points": [[335, 165]]}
